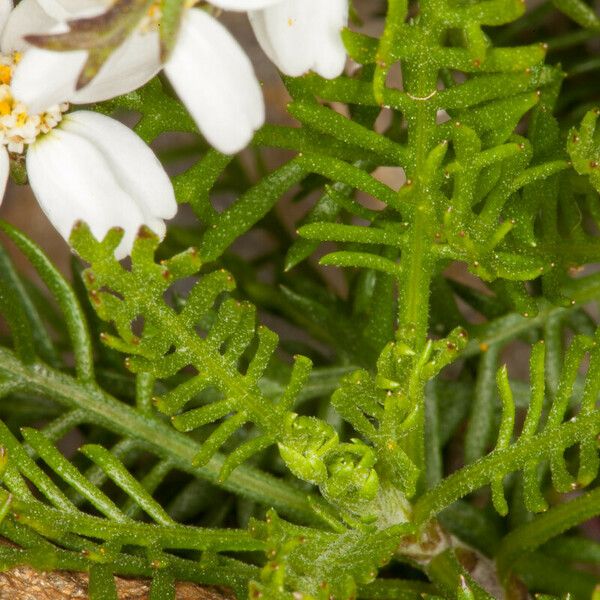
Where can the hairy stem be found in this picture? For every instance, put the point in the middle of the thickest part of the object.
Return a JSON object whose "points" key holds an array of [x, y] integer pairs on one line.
{"points": [[504, 460], [557, 520], [154, 434]]}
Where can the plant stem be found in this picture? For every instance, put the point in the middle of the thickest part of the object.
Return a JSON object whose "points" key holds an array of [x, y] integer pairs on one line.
{"points": [[557, 520], [511, 326], [417, 259], [41, 517], [155, 435], [505, 460]]}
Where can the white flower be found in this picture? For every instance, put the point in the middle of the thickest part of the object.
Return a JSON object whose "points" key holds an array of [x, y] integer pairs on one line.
{"points": [[44, 78], [208, 68], [82, 166], [303, 35]]}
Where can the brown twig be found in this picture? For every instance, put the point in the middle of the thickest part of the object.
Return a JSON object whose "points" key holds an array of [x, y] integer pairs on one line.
{"points": [[24, 583]]}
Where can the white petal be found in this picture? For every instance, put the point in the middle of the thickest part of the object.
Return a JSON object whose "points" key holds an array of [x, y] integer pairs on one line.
{"points": [[62, 10], [303, 35], [75, 179], [132, 162], [27, 17], [44, 78], [243, 4], [73, 182], [132, 65], [5, 7], [4, 171], [215, 80]]}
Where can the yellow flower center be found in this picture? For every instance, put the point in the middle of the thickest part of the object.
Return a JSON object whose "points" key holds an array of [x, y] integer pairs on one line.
{"points": [[17, 127], [5, 74]]}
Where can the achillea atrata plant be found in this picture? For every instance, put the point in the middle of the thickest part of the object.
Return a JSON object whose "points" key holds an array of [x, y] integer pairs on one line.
{"points": [[387, 447]]}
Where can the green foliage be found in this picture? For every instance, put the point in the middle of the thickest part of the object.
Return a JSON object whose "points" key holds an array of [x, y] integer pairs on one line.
{"points": [[321, 563], [535, 442], [375, 446], [310, 448]]}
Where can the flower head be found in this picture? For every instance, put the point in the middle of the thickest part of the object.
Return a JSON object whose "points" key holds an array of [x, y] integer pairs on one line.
{"points": [[94, 169], [18, 127], [207, 67], [81, 166]]}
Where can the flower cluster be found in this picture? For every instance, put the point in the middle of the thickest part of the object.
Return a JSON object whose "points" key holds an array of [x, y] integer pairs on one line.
{"points": [[17, 127], [95, 169]]}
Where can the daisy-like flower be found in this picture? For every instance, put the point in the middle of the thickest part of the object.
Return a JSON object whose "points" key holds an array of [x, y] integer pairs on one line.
{"points": [[207, 67], [82, 166]]}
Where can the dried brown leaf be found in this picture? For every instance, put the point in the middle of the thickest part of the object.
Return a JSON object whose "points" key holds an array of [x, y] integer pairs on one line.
{"points": [[100, 35]]}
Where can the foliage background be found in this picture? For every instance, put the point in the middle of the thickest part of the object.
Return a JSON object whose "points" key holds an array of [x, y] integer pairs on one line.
{"points": [[580, 92]]}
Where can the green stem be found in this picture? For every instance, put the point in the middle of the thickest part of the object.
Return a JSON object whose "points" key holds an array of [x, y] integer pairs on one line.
{"points": [[556, 577], [418, 260], [506, 460], [226, 572], [415, 281], [154, 434], [511, 326], [543, 528], [44, 518]]}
